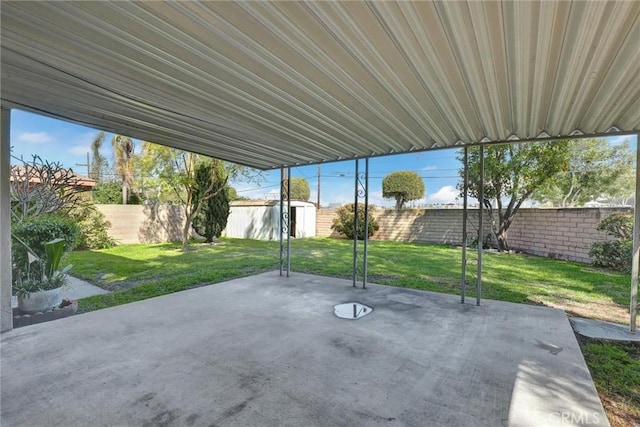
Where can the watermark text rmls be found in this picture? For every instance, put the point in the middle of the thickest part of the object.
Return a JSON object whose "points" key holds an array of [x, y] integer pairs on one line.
{"points": [[573, 418]]}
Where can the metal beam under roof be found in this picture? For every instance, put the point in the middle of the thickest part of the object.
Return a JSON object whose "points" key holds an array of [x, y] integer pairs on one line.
{"points": [[270, 84]]}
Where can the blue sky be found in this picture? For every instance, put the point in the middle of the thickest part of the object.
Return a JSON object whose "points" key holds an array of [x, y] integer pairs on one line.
{"points": [[56, 140]]}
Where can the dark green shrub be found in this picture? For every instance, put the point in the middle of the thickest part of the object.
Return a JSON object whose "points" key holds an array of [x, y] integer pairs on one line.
{"points": [[614, 254], [93, 228], [212, 218], [617, 225], [344, 221], [134, 199], [617, 253], [33, 234], [108, 193]]}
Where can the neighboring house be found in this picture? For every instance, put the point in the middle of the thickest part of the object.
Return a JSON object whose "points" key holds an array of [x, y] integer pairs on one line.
{"points": [[35, 176], [260, 219]]}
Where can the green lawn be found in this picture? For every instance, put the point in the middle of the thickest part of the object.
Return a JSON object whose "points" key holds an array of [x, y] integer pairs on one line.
{"points": [[143, 271], [615, 369], [136, 272]]}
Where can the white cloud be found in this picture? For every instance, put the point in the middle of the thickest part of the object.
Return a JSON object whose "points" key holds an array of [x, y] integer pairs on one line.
{"points": [[446, 194], [375, 198], [78, 150], [34, 137], [429, 168]]}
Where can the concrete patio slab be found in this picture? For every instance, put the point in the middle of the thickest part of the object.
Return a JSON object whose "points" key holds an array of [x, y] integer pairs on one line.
{"points": [[269, 351], [601, 330]]}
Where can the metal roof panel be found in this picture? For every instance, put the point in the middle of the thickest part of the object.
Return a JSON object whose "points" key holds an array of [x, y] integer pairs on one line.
{"points": [[269, 84]]}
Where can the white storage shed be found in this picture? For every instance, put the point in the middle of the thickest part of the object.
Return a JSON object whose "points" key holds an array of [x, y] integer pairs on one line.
{"points": [[260, 219]]}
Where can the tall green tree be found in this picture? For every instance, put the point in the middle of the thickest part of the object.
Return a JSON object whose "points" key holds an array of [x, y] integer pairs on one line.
{"points": [[170, 170], [596, 170], [177, 169], [123, 148], [211, 219], [403, 186], [300, 189], [152, 164], [99, 163], [512, 173]]}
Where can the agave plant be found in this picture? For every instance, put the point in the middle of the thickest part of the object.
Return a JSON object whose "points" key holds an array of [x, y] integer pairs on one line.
{"points": [[43, 273]]}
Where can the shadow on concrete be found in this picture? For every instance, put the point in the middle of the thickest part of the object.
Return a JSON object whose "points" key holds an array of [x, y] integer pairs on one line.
{"points": [[269, 351]]}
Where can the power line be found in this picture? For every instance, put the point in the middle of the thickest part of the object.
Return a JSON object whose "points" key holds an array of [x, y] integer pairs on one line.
{"points": [[381, 177], [258, 188], [303, 174]]}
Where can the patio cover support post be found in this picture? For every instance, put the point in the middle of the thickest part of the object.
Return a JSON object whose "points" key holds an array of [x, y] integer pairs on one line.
{"points": [[289, 221], [355, 227], [361, 190], [366, 223], [635, 257], [480, 226], [284, 221], [6, 315], [465, 188]]}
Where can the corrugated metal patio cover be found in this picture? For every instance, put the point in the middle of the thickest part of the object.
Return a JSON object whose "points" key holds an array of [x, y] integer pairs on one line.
{"points": [[271, 84]]}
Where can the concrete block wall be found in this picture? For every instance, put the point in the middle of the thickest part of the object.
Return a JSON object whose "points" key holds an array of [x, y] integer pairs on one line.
{"points": [[426, 225], [324, 219], [411, 225], [144, 223], [566, 233], [556, 233]]}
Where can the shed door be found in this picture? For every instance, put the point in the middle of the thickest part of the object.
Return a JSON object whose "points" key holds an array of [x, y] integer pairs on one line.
{"points": [[292, 229]]}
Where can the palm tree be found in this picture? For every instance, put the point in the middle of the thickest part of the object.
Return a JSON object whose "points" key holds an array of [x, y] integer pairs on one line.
{"points": [[98, 162], [123, 162]]}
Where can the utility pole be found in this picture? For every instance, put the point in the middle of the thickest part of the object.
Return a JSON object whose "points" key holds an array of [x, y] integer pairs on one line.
{"points": [[318, 205], [88, 165]]}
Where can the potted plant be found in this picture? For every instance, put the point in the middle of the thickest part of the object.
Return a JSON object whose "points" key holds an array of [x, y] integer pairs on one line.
{"points": [[40, 287]]}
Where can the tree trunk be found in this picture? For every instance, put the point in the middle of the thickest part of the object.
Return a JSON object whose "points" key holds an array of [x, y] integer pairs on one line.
{"points": [[493, 231], [185, 233], [503, 244], [495, 239], [124, 194], [399, 202]]}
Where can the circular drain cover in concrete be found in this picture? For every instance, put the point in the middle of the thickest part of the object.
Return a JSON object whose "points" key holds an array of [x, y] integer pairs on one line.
{"points": [[351, 310]]}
